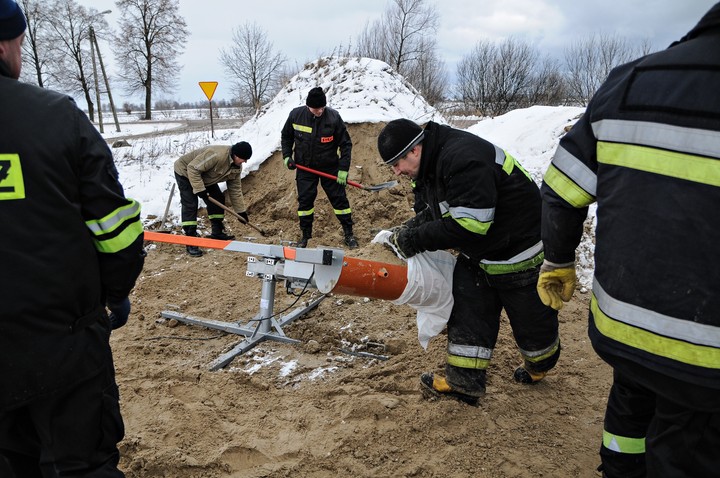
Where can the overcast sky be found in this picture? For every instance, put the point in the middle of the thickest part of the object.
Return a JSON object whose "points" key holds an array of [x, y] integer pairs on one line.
{"points": [[302, 31]]}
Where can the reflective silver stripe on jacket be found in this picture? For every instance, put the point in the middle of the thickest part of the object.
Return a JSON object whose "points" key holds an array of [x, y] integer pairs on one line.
{"points": [[700, 334], [676, 138], [576, 170], [523, 256], [482, 215]]}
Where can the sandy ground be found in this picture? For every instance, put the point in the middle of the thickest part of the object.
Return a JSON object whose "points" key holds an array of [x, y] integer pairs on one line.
{"points": [[312, 409]]}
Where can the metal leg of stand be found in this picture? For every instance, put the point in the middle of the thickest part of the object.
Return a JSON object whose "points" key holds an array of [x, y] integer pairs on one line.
{"points": [[266, 327]]}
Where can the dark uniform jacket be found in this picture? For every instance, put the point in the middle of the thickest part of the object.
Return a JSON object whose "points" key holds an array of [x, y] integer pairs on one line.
{"points": [[480, 199], [70, 241], [648, 151], [317, 141]]}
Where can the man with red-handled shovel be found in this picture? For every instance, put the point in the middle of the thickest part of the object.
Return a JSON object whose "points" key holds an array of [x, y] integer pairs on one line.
{"points": [[312, 136]]}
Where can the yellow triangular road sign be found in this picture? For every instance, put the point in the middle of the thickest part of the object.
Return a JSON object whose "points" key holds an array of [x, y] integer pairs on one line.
{"points": [[209, 88]]}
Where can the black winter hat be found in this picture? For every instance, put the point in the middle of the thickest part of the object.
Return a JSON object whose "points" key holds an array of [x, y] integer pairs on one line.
{"points": [[316, 98], [12, 20], [397, 138], [242, 150]]}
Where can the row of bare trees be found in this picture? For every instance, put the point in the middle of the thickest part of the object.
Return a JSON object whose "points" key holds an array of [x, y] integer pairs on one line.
{"points": [[491, 79], [150, 36]]}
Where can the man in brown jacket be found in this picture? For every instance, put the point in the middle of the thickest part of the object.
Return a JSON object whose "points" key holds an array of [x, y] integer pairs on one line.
{"points": [[198, 173]]}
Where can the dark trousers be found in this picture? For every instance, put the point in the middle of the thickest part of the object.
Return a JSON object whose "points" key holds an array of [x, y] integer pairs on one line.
{"points": [[678, 441], [73, 434], [307, 186], [475, 320], [189, 201]]}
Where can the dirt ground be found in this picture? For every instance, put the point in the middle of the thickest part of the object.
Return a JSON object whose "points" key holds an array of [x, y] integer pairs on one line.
{"points": [[312, 409]]}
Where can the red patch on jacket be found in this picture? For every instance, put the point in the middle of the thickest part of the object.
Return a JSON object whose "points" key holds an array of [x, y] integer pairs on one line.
{"points": [[327, 139]]}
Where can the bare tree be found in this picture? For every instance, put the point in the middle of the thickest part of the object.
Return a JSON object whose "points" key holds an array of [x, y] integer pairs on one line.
{"points": [[511, 75], [405, 39], [151, 36], [68, 38], [252, 64], [589, 61], [36, 48]]}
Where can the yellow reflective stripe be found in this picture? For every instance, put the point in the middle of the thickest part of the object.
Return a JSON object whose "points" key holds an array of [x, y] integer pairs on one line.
{"points": [[115, 219], [495, 269], [340, 212], [623, 444], [668, 163], [122, 240], [467, 362], [309, 212], [541, 355], [567, 189], [474, 225], [301, 128], [188, 223], [216, 216], [674, 349], [510, 163]]}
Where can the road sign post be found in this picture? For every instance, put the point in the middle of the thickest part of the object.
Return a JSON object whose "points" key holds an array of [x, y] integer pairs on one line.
{"points": [[209, 88]]}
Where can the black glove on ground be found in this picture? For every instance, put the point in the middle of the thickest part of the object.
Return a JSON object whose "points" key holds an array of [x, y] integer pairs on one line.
{"points": [[244, 215]]}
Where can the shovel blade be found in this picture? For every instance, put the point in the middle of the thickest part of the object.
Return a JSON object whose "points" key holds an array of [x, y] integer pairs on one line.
{"points": [[381, 186]]}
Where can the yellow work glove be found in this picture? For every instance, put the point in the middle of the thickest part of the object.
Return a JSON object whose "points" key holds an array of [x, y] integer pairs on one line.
{"points": [[342, 177], [556, 283]]}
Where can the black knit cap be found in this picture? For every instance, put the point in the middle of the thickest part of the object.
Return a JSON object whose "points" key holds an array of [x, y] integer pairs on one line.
{"points": [[12, 20], [242, 150], [316, 98], [397, 138]]}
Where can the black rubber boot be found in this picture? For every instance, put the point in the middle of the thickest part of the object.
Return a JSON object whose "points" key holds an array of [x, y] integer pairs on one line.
{"points": [[306, 235], [218, 232], [350, 240], [434, 387], [191, 231]]}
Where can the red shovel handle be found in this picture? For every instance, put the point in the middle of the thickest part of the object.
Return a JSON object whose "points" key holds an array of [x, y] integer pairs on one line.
{"points": [[329, 176]]}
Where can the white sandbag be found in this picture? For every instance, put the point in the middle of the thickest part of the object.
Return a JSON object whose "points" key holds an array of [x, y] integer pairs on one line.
{"points": [[428, 290]]}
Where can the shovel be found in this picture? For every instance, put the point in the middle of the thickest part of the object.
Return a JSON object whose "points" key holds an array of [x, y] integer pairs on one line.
{"points": [[376, 187], [238, 216]]}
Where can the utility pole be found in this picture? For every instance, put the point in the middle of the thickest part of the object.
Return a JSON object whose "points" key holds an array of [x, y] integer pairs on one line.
{"points": [[95, 48]]}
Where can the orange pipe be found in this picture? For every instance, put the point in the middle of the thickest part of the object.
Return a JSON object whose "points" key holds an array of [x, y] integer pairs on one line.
{"points": [[378, 280]]}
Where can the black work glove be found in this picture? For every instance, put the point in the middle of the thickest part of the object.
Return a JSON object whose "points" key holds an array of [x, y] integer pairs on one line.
{"points": [[244, 215], [420, 218], [402, 241], [119, 313], [203, 195], [289, 163]]}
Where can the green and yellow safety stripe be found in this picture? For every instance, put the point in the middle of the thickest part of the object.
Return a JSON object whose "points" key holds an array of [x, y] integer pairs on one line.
{"points": [[621, 444], [309, 212], [509, 163], [302, 128], [117, 230], [540, 355], [571, 179], [477, 220], [189, 223], [685, 341], [216, 216], [689, 154], [469, 356], [527, 259], [340, 212]]}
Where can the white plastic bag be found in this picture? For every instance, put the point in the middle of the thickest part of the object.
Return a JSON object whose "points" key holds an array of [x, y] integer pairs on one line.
{"points": [[428, 290]]}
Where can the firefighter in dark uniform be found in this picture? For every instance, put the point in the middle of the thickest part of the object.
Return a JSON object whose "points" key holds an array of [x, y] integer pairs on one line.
{"points": [[71, 246], [647, 150], [482, 203], [313, 136]]}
